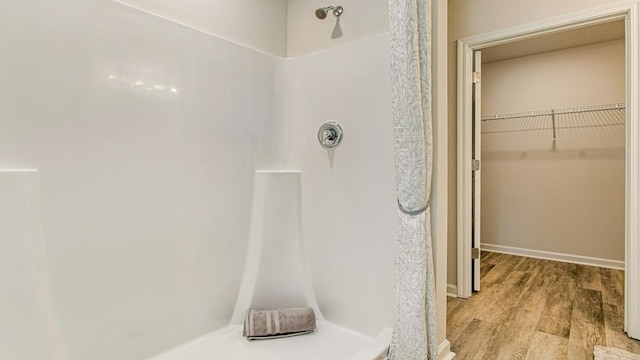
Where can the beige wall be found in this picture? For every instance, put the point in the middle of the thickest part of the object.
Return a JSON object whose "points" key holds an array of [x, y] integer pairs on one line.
{"points": [[579, 76], [570, 200], [467, 18], [472, 17]]}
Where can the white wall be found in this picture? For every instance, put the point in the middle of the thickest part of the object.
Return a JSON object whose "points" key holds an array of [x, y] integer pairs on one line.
{"points": [[28, 328], [468, 18], [145, 191], [146, 135], [306, 34], [349, 206], [260, 24], [278, 27], [571, 200], [360, 19]]}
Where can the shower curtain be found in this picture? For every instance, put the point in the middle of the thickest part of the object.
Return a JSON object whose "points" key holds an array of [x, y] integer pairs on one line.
{"points": [[414, 331]]}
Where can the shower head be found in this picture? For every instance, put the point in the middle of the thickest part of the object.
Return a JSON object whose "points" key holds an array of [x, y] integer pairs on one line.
{"points": [[322, 12]]}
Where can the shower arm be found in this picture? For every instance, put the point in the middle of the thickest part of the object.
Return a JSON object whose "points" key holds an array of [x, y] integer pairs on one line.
{"points": [[334, 9]]}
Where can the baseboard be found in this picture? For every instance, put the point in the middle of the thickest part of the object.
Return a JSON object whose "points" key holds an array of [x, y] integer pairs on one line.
{"points": [[452, 290], [548, 255], [444, 351]]}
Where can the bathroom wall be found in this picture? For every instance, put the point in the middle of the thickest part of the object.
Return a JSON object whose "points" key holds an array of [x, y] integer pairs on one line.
{"points": [[349, 206], [569, 200], [146, 135], [306, 33], [467, 18], [260, 24], [361, 20], [28, 329], [278, 27]]}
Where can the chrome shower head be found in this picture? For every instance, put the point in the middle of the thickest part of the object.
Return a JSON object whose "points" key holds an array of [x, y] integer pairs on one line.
{"points": [[322, 12]]}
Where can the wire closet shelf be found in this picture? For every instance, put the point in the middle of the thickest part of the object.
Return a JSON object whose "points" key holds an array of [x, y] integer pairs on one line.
{"points": [[590, 116]]}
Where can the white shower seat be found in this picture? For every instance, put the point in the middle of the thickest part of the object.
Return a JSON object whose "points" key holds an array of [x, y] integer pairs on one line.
{"points": [[276, 274], [328, 342]]}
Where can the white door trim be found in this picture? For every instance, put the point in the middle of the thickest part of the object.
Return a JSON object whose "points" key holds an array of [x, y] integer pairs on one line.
{"points": [[628, 10]]}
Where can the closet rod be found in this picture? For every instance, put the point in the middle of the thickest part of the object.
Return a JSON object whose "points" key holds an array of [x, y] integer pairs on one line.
{"points": [[571, 110]]}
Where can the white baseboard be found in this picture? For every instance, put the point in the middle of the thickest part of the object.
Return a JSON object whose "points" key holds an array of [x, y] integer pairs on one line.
{"points": [[444, 351], [452, 290], [548, 255]]}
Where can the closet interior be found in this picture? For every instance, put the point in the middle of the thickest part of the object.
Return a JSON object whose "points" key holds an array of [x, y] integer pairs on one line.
{"points": [[553, 178]]}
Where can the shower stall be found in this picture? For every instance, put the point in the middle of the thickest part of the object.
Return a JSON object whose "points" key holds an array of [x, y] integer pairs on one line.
{"points": [[137, 156]]}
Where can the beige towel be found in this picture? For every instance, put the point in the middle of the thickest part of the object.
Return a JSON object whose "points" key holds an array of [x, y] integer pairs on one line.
{"points": [[269, 324]]}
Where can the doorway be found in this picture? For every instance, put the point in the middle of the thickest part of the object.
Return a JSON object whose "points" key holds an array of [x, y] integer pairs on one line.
{"points": [[553, 147], [466, 225]]}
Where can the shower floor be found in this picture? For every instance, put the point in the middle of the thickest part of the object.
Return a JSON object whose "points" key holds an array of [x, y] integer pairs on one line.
{"points": [[328, 342]]}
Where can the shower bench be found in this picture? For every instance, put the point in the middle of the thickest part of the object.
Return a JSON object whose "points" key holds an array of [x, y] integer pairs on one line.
{"points": [[328, 342]]}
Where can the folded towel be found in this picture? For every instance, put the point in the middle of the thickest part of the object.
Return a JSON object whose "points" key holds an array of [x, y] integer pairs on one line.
{"points": [[270, 324]]}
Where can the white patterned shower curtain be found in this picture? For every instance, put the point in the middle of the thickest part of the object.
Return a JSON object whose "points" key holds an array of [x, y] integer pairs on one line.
{"points": [[414, 330]]}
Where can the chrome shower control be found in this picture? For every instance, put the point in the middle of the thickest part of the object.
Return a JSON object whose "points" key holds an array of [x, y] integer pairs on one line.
{"points": [[330, 134]]}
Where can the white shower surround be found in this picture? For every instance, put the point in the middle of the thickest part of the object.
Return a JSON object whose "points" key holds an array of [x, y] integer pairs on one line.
{"points": [[277, 275], [146, 135]]}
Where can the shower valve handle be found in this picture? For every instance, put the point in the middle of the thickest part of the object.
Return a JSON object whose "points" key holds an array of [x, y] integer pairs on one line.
{"points": [[330, 134]]}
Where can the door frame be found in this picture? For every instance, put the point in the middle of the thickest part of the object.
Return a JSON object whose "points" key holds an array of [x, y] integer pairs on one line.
{"points": [[629, 11]]}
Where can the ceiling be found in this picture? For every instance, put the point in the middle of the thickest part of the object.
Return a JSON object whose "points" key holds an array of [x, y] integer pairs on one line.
{"points": [[557, 41]]}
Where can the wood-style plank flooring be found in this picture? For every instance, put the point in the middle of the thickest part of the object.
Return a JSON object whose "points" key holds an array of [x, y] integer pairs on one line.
{"points": [[539, 309]]}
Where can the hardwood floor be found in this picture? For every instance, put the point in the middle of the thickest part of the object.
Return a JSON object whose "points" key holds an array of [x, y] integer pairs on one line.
{"points": [[533, 309]]}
